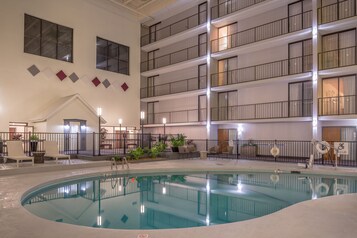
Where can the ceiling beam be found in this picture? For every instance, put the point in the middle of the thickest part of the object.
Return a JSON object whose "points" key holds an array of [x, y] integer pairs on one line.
{"points": [[129, 8], [147, 3]]}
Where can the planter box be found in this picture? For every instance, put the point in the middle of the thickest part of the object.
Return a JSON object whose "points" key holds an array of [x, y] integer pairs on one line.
{"points": [[249, 150]]}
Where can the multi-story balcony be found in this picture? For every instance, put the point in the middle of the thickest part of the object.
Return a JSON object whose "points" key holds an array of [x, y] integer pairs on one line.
{"points": [[176, 57], [337, 58], [175, 28], [181, 86], [173, 117], [271, 110], [333, 106], [230, 6], [263, 32], [275, 69], [337, 11]]}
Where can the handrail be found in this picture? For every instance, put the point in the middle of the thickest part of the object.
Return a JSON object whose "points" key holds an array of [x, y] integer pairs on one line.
{"points": [[336, 13], [332, 105], [229, 9], [338, 60], [143, 42], [284, 66], [283, 28], [144, 91], [145, 64], [282, 109], [170, 118]]}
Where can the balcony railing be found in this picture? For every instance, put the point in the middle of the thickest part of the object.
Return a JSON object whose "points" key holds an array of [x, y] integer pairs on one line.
{"points": [[263, 32], [181, 86], [175, 28], [280, 68], [230, 6], [337, 11], [337, 58], [283, 109], [175, 57], [183, 116], [343, 105]]}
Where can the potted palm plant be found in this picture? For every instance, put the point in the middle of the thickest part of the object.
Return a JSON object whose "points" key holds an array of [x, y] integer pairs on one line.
{"points": [[177, 141], [33, 142]]}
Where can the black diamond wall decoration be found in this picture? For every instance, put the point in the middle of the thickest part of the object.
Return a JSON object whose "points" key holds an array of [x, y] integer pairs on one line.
{"points": [[74, 77], [33, 70], [124, 218]]}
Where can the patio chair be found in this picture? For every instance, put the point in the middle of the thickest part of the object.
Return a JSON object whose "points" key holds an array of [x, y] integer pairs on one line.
{"points": [[52, 151], [15, 151]]}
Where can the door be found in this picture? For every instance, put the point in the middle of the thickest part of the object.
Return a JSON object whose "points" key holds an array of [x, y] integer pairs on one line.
{"points": [[226, 37], [151, 90], [223, 138], [202, 76], [202, 13], [340, 134], [338, 96], [227, 71], [295, 16], [226, 103], [74, 128], [153, 32], [202, 108], [151, 109], [300, 57], [300, 99], [151, 60], [202, 44]]}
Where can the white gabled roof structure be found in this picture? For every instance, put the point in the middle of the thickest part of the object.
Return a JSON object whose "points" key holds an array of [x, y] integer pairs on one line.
{"points": [[59, 105]]}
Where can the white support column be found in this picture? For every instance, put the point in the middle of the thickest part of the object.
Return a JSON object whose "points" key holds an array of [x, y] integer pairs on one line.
{"points": [[316, 127], [208, 92]]}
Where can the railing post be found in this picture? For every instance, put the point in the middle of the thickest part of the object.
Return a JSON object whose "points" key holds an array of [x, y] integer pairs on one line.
{"points": [[77, 143], [93, 143], [237, 149], [150, 141], [29, 144], [124, 143]]}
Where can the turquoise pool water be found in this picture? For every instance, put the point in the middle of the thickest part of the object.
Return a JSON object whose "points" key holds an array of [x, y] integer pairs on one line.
{"points": [[178, 200]]}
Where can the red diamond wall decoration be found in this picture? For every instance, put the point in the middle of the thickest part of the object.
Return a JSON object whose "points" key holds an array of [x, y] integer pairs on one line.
{"points": [[124, 86], [61, 75], [96, 81]]}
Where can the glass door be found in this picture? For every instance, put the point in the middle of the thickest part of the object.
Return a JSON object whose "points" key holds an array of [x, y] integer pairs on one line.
{"points": [[295, 16]]}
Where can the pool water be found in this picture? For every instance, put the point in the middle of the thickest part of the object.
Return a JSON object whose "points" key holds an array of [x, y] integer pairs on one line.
{"points": [[178, 200]]}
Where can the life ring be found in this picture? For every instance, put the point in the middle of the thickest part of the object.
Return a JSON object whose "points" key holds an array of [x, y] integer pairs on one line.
{"points": [[322, 147], [275, 151], [274, 178], [323, 192]]}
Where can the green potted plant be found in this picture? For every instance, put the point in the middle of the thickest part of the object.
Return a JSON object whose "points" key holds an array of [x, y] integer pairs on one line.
{"points": [[157, 149], [177, 141], [33, 142]]}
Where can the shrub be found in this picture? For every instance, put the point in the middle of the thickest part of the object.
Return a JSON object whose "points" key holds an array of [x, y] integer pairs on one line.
{"points": [[136, 153], [157, 149], [178, 141]]}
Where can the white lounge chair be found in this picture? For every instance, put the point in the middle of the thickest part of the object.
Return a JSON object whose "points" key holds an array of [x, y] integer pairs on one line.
{"points": [[52, 151], [15, 151]]}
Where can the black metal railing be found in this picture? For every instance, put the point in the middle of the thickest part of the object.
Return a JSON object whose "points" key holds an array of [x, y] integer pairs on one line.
{"points": [[230, 6], [342, 105], [175, 28], [175, 57], [291, 151], [271, 110], [337, 11], [180, 86], [280, 68], [337, 58], [263, 32], [182, 116]]}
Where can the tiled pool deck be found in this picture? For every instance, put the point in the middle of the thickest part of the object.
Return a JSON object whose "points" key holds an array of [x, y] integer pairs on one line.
{"points": [[327, 217]]}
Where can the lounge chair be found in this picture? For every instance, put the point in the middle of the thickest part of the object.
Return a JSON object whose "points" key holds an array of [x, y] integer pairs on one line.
{"points": [[15, 151], [52, 151]]}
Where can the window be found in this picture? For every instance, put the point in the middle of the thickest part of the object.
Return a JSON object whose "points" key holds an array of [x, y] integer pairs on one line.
{"points": [[48, 39], [112, 56]]}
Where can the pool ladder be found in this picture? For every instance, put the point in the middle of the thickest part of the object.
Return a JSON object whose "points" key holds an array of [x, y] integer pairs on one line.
{"points": [[113, 163]]}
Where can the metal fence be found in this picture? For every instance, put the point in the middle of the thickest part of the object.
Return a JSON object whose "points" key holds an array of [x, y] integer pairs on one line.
{"points": [[291, 151], [175, 57], [230, 6], [175, 28], [283, 109], [263, 32], [342, 105], [263, 71], [337, 58], [182, 116], [337, 11], [180, 86]]}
